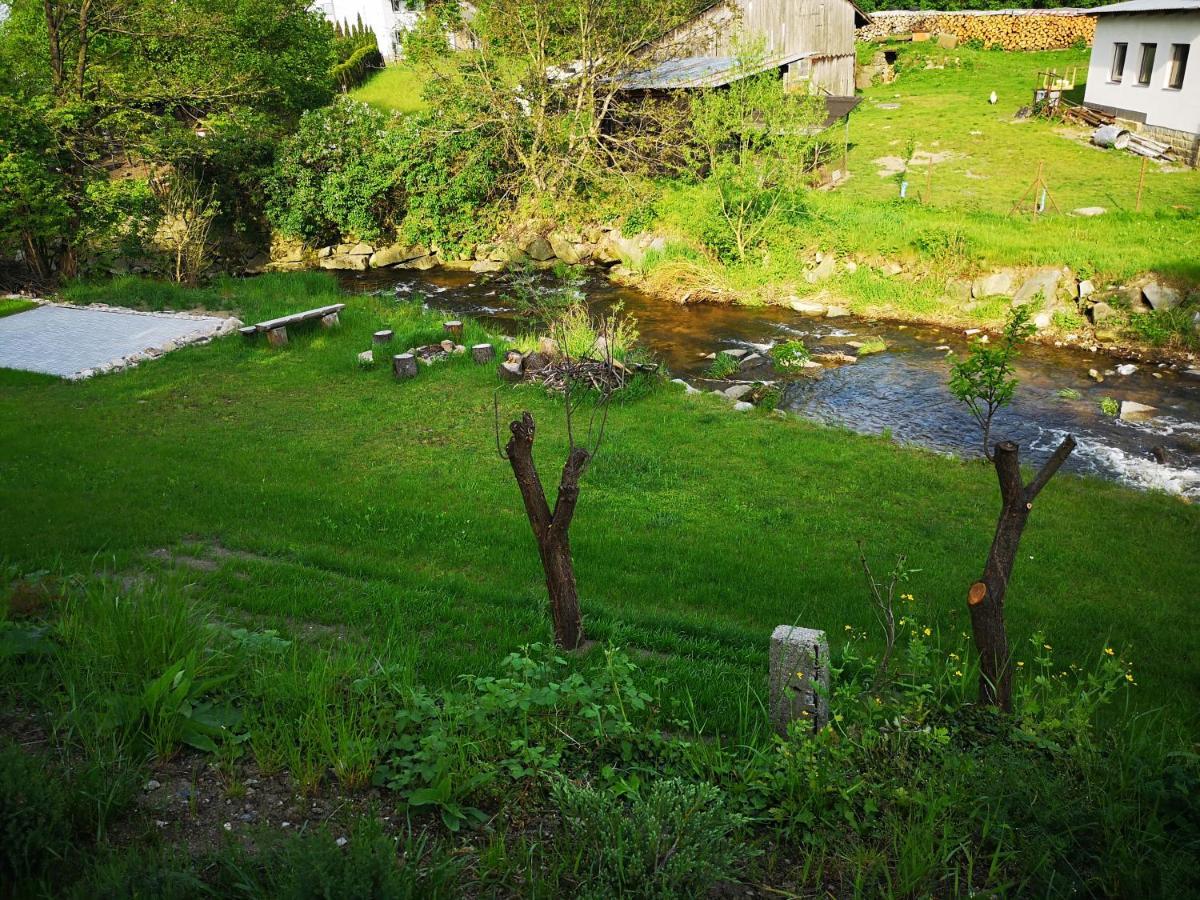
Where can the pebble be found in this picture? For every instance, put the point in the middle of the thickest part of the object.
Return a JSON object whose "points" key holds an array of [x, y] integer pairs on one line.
{"points": [[152, 785], [228, 826], [342, 842]]}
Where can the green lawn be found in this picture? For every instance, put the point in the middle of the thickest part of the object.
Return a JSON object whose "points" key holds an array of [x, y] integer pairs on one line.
{"points": [[396, 88], [12, 305], [382, 508]]}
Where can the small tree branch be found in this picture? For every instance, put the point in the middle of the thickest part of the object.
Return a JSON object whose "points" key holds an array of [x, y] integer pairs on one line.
{"points": [[1050, 467]]}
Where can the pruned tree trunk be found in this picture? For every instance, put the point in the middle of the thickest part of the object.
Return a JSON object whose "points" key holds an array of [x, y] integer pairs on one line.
{"points": [[551, 528], [986, 596]]}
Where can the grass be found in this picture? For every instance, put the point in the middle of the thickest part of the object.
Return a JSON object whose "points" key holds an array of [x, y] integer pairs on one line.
{"points": [[389, 498], [10, 306], [396, 88], [958, 223], [310, 555]]}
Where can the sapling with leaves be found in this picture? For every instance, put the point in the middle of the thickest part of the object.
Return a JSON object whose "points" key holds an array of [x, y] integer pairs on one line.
{"points": [[556, 306], [883, 601], [986, 381]]}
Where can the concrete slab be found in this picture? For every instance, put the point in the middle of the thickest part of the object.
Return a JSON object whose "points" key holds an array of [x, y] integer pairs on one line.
{"points": [[78, 342]]}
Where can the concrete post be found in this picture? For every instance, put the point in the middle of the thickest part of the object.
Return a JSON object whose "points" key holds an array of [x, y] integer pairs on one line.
{"points": [[799, 677]]}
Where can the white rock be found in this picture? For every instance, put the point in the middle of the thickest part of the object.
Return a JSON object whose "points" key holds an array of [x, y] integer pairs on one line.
{"points": [[738, 391], [687, 388], [1132, 411], [742, 406], [1126, 369]]}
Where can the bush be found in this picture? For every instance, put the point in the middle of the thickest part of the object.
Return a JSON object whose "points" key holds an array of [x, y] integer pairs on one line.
{"points": [[676, 841], [352, 172], [338, 176]]}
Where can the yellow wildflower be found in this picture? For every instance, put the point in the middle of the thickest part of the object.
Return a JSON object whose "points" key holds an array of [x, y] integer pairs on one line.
{"points": [[1020, 664], [1108, 651], [957, 674], [1129, 677], [928, 631]]}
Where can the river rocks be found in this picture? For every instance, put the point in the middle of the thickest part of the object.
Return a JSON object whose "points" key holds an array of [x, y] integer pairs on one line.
{"points": [[507, 252], [1102, 312], [564, 249], [997, 284], [353, 257], [1160, 296], [1086, 289], [539, 250], [806, 307], [1126, 369], [1043, 283], [890, 269], [687, 388], [483, 266], [823, 270], [1131, 411], [738, 391], [742, 406], [837, 312], [396, 253]]}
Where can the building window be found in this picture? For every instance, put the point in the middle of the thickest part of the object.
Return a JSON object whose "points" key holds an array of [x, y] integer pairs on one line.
{"points": [[1118, 66], [1179, 58], [1147, 67]]}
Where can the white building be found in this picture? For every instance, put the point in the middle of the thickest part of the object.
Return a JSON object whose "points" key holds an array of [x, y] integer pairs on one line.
{"points": [[389, 19], [1145, 70]]}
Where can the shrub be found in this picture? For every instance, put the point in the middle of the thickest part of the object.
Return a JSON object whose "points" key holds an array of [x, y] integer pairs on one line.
{"points": [[790, 354], [675, 841], [338, 175], [353, 172], [722, 366]]}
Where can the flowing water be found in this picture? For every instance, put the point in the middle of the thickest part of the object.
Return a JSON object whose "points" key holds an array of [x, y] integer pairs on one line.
{"points": [[901, 392]]}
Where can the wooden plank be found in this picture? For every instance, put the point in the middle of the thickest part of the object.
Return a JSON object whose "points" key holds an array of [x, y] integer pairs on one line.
{"points": [[296, 318]]}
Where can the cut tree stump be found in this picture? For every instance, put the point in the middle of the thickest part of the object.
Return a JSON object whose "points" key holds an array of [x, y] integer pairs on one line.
{"points": [[483, 353], [330, 321], [454, 329], [277, 337], [383, 337], [404, 365]]}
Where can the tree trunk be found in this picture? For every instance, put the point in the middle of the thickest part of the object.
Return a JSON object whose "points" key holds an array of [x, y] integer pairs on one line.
{"points": [[551, 528], [985, 600]]}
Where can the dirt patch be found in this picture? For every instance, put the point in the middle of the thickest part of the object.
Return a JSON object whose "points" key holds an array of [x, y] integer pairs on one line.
{"points": [[890, 166], [194, 806]]}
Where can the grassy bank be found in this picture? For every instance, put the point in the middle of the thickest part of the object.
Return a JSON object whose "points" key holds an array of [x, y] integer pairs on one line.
{"points": [[333, 542]]}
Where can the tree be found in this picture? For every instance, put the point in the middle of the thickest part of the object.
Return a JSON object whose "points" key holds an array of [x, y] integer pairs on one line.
{"points": [[137, 86], [756, 142], [558, 307], [986, 381], [547, 78]]}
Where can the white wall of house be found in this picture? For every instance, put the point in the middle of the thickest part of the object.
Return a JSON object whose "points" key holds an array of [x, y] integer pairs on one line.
{"points": [[389, 19], [1162, 106]]}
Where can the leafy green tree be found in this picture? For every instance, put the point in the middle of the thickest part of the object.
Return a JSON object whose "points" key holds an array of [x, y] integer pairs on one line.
{"points": [[133, 86], [986, 379], [756, 143]]}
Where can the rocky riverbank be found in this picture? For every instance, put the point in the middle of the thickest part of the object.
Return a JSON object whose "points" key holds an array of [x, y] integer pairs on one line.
{"points": [[1068, 310]]}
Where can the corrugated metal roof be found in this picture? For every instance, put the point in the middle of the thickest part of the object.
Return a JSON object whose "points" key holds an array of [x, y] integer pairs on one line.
{"points": [[700, 71], [1144, 6]]}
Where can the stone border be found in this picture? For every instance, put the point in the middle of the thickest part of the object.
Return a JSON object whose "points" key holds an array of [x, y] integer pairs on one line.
{"points": [[222, 327]]}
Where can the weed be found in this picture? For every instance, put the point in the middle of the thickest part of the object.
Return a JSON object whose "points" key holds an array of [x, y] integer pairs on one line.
{"points": [[1109, 406], [723, 366]]}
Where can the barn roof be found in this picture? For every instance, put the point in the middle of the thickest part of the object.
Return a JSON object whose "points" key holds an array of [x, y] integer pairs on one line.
{"points": [[700, 72], [1144, 6]]}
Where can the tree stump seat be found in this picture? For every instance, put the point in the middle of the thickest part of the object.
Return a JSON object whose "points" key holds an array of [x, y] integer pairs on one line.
{"points": [[276, 329]]}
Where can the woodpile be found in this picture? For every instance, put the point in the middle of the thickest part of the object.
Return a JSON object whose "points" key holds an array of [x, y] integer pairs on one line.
{"points": [[1019, 32], [1007, 29]]}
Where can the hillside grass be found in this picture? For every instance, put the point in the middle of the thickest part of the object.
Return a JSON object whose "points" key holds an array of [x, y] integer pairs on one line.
{"points": [[381, 507], [322, 580], [959, 223], [395, 88]]}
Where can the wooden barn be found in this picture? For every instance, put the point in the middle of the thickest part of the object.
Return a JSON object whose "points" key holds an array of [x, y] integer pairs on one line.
{"points": [[810, 41]]}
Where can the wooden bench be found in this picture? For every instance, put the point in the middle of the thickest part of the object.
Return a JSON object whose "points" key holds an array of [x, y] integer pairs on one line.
{"points": [[276, 329]]}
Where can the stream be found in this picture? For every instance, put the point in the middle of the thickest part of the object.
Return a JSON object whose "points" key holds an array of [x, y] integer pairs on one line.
{"points": [[901, 392]]}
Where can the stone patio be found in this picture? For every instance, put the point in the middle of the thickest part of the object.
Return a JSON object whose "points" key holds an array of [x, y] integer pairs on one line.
{"points": [[78, 342]]}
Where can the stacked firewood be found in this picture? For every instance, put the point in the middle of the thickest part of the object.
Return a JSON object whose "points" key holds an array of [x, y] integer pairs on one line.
{"points": [[1029, 32], [1007, 29]]}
